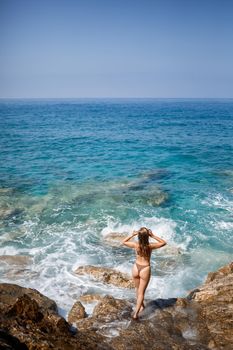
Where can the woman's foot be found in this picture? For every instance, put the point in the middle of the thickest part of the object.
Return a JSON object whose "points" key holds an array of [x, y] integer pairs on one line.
{"points": [[142, 308], [135, 317]]}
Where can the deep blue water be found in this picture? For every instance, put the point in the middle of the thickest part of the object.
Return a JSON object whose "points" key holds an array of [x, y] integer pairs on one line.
{"points": [[74, 170]]}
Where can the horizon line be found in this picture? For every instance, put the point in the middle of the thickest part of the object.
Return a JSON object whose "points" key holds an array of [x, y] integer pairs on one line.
{"points": [[112, 98]]}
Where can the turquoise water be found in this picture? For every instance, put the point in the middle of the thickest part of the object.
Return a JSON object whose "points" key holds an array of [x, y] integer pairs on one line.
{"points": [[72, 171]]}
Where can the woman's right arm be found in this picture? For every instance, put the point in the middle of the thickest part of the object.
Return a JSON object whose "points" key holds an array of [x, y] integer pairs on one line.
{"points": [[161, 242]]}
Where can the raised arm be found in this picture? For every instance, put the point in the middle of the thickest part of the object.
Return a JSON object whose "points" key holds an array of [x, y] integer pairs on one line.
{"points": [[126, 240], [160, 243]]}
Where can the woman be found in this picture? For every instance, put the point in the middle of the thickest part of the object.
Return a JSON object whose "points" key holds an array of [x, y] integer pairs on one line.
{"points": [[141, 269]]}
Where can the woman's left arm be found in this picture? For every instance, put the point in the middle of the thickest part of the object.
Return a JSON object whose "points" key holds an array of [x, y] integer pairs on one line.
{"points": [[130, 244]]}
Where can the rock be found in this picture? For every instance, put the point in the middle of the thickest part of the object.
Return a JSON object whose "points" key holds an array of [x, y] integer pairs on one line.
{"points": [[9, 293], [6, 190], [156, 198], [29, 320], [8, 342], [106, 275], [221, 273], [107, 310], [108, 317], [7, 213], [110, 309], [18, 260], [16, 266], [77, 312], [216, 300], [114, 238]]}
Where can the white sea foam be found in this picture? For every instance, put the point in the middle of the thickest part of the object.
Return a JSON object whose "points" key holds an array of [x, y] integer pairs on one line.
{"points": [[219, 201], [163, 227], [9, 250], [224, 225]]}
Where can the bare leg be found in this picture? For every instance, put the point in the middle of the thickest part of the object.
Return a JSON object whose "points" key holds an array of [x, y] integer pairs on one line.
{"points": [[136, 280], [144, 280]]}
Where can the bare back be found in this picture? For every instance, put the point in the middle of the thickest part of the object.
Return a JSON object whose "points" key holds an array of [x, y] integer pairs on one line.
{"points": [[141, 259]]}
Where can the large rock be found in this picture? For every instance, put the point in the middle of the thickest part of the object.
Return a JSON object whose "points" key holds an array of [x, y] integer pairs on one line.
{"points": [[215, 297], [108, 317], [10, 293], [29, 320], [110, 309], [106, 275]]}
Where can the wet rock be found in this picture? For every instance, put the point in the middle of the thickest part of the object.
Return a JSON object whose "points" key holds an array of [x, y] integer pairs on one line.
{"points": [[114, 238], [77, 312], [18, 260], [106, 275], [29, 320], [110, 309], [7, 213], [26, 307], [215, 297], [9, 293], [154, 198]]}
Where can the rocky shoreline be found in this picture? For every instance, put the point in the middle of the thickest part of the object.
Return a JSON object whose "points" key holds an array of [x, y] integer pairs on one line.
{"points": [[202, 320]]}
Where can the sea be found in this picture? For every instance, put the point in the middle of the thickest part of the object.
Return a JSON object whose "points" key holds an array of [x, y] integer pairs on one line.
{"points": [[74, 172]]}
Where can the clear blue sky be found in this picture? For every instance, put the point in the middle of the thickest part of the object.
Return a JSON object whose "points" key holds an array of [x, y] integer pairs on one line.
{"points": [[121, 48]]}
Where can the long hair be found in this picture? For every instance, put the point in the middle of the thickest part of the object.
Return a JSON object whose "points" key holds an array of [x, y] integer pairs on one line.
{"points": [[143, 240]]}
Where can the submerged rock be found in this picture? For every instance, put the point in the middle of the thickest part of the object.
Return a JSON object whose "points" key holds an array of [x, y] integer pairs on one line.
{"points": [[18, 260], [106, 275], [6, 190], [7, 213]]}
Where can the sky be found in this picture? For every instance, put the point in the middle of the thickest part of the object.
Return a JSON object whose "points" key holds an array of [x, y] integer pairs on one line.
{"points": [[116, 48]]}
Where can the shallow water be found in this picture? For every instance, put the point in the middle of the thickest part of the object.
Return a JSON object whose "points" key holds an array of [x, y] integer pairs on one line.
{"points": [[74, 170]]}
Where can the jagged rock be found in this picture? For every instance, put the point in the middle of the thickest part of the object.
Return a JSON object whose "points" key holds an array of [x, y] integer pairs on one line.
{"points": [[77, 312], [110, 309], [107, 310], [106, 275], [216, 299], [9, 293], [29, 320]]}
